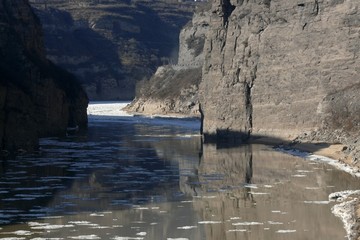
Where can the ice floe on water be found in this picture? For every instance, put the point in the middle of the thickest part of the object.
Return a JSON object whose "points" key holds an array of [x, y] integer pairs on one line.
{"points": [[187, 227], [317, 158], [286, 231], [346, 209], [317, 202], [247, 223], [92, 236], [209, 222]]}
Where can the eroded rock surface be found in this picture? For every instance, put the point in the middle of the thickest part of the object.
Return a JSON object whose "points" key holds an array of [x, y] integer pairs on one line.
{"points": [[173, 89], [281, 68]]}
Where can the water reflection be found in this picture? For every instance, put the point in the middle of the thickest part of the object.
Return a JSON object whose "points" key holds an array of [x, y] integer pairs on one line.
{"points": [[134, 180]]}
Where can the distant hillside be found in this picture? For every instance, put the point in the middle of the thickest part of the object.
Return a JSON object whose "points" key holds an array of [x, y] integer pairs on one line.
{"points": [[110, 45]]}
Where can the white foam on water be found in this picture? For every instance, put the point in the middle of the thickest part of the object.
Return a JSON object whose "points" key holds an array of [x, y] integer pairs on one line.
{"points": [[141, 234]]}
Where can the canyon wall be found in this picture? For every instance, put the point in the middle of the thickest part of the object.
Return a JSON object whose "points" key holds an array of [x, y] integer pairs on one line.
{"points": [[281, 68], [37, 98], [173, 89], [111, 45]]}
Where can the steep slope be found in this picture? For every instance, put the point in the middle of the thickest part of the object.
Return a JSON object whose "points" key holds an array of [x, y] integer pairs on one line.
{"points": [[173, 89], [110, 45], [36, 97], [281, 68]]}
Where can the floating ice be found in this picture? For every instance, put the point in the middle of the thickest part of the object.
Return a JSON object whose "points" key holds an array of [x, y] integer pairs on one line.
{"points": [[298, 175], [317, 202], [177, 239], [51, 227], [237, 230], [209, 222], [92, 236], [187, 227], [247, 223], [286, 231], [275, 223], [141, 234], [127, 238]]}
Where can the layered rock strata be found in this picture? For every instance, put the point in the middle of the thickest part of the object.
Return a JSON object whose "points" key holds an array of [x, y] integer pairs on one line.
{"points": [[173, 89], [111, 45], [281, 68], [36, 98]]}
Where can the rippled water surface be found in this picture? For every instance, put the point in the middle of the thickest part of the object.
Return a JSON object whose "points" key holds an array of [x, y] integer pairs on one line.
{"points": [[140, 178]]}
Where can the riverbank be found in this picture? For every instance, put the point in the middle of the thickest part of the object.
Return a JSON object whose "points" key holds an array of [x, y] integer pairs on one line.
{"points": [[348, 202], [347, 206]]}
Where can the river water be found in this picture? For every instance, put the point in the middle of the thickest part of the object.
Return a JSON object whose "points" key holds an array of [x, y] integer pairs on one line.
{"points": [[148, 178]]}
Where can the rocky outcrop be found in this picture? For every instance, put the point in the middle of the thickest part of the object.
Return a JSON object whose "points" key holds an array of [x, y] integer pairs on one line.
{"points": [[281, 68], [111, 45], [36, 98], [173, 89]]}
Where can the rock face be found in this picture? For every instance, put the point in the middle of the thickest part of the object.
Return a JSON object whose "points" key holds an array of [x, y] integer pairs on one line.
{"points": [[110, 45], [36, 98], [173, 89], [281, 68]]}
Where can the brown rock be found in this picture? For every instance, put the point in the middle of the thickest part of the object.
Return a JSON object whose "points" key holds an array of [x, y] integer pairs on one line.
{"points": [[272, 67]]}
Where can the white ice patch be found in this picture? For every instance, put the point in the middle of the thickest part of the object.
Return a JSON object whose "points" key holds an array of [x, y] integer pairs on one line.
{"points": [[210, 222], [298, 175], [247, 223], [86, 237], [52, 227], [12, 238], [22, 233], [286, 231], [237, 230], [177, 239], [83, 223], [141, 234], [107, 109], [341, 196], [253, 186], [39, 238], [322, 159], [345, 210], [275, 223], [187, 227], [317, 202], [127, 238]]}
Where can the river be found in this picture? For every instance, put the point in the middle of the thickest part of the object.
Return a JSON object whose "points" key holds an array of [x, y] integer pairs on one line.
{"points": [[132, 177]]}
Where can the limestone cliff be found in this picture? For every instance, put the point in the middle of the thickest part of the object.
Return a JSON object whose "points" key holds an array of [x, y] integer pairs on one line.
{"points": [[110, 45], [36, 97], [281, 68], [173, 89]]}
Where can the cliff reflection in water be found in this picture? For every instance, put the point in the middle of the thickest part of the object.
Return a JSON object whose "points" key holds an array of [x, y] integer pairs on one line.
{"points": [[133, 180]]}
